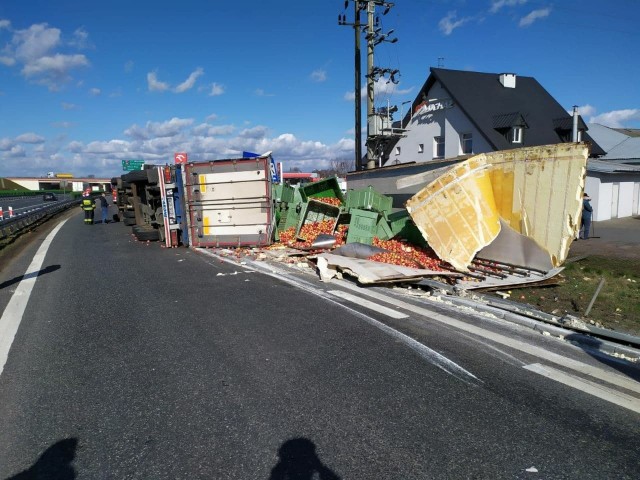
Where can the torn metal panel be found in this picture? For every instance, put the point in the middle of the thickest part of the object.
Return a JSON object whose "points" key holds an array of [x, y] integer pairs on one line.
{"points": [[368, 272], [456, 213], [509, 280], [536, 192]]}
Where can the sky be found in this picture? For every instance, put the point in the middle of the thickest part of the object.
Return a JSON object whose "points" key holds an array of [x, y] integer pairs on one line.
{"points": [[87, 84]]}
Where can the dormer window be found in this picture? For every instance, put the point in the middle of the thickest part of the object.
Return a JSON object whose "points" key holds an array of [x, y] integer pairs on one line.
{"points": [[511, 126], [516, 135]]}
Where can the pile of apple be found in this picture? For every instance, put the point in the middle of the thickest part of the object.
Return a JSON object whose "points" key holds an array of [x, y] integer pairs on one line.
{"points": [[407, 255]]}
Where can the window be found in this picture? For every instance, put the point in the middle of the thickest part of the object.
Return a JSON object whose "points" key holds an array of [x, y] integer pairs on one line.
{"points": [[421, 148], [397, 150], [438, 147], [466, 142], [516, 135]]}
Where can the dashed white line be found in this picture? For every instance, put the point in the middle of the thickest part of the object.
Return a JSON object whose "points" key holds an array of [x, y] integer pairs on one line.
{"points": [[367, 304], [604, 393]]}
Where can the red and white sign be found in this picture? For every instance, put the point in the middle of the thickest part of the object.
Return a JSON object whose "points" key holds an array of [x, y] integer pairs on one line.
{"points": [[180, 158]]}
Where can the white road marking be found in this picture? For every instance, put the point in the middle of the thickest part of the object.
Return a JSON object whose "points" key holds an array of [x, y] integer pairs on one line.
{"points": [[591, 388], [539, 352], [367, 304], [431, 356], [12, 315]]}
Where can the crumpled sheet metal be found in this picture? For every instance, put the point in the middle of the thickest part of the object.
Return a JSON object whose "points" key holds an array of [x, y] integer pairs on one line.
{"points": [[535, 191]]}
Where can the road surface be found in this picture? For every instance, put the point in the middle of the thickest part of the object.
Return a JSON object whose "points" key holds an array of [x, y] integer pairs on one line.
{"points": [[132, 361]]}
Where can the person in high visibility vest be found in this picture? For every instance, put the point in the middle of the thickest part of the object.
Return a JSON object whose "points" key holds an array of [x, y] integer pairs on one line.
{"points": [[88, 205]]}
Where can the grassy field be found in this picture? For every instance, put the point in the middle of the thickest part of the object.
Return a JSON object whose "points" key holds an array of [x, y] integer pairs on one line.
{"points": [[617, 305]]}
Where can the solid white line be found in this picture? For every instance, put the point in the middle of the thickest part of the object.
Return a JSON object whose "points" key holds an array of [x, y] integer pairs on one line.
{"points": [[367, 304], [591, 388], [12, 315], [539, 352]]}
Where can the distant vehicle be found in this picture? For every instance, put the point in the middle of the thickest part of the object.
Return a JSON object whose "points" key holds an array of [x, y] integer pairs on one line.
{"points": [[49, 197], [64, 175]]}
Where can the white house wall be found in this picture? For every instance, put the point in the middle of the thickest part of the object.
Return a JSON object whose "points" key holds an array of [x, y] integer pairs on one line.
{"points": [[599, 186], [449, 122]]}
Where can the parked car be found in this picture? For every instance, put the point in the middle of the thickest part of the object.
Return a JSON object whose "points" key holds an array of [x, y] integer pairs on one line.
{"points": [[49, 197]]}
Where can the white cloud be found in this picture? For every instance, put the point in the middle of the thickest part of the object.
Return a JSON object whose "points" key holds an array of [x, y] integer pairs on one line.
{"points": [[34, 48], [216, 89], [95, 92], [30, 138], [69, 106], [6, 144], [5, 24], [190, 81], [254, 132], [128, 66], [35, 42], [154, 85], [17, 151], [211, 118], [54, 66], [261, 93], [380, 87], [80, 39], [585, 111], [319, 75], [206, 130], [449, 23], [497, 5], [617, 118], [169, 128], [533, 16]]}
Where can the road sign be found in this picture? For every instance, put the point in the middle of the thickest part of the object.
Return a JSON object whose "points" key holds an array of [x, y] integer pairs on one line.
{"points": [[132, 165], [180, 158]]}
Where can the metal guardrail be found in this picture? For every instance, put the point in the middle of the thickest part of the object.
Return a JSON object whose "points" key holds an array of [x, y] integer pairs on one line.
{"points": [[12, 227]]}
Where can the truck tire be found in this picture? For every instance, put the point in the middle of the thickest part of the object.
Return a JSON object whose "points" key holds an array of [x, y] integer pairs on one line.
{"points": [[129, 214], [129, 221], [146, 235]]}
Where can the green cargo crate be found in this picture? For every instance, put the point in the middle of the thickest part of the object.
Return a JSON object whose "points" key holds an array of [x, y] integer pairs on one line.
{"points": [[383, 230], [368, 199], [289, 216], [316, 211], [363, 226], [283, 193], [329, 187], [403, 227]]}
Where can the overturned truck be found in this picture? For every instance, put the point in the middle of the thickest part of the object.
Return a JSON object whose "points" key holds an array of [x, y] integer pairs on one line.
{"points": [[489, 220]]}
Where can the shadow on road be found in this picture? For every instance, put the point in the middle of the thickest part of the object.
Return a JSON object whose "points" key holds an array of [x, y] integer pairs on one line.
{"points": [[299, 461], [622, 366], [49, 269], [53, 464]]}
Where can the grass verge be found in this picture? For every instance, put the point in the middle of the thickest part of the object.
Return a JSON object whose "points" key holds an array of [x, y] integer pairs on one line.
{"points": [[617, 305]]}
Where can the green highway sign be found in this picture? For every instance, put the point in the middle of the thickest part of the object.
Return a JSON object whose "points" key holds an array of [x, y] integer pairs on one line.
{"points": [[132, 165]]}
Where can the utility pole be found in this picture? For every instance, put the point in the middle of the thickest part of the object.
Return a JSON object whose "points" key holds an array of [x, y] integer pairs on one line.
{"points": [[373, 37], [371, 8], [342, 20], [357, 86]]}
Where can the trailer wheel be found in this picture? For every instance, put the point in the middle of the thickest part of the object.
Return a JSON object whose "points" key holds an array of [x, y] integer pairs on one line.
{"points": [[129, 214], [145, 235], [129, 221]]}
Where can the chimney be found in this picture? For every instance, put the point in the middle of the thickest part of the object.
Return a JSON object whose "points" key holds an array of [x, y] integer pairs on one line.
{"points": [[508, 80], [574, 133]]}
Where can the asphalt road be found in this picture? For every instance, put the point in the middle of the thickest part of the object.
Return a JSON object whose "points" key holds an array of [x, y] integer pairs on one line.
{"points": [[134, 361]]}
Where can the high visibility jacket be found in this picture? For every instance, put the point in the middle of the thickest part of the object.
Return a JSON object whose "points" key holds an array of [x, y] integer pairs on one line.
{"points": [[88, 204]]}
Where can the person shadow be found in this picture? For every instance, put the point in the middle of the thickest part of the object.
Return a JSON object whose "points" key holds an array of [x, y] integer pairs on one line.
{"points": [[298, 461], [53, 464]]}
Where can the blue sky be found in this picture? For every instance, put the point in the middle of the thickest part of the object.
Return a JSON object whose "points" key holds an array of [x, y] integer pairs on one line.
{"points": [[86, 84]]}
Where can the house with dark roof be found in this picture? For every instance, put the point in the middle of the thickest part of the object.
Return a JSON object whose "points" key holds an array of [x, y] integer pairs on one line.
{"points": [[463, 113]]}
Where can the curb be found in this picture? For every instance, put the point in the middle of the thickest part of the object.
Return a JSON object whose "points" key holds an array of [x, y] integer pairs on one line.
{"points": [[574, 337]]}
